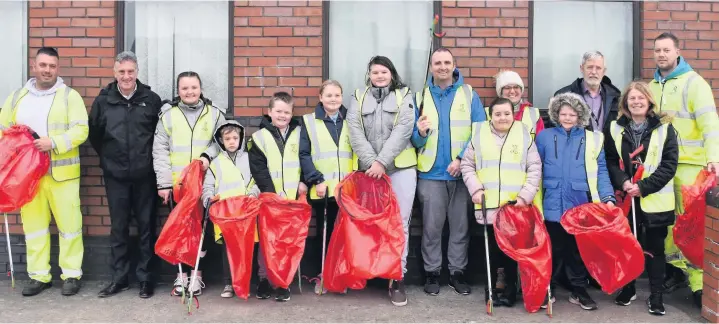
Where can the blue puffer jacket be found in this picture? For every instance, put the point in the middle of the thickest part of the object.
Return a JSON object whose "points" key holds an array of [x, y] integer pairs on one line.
{"points": [[564, 176]]}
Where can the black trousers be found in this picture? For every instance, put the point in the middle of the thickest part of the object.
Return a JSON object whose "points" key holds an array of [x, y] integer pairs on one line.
{"points": [[652, 241], [126, 199], [319, 211], [226, 273], [566, 257], [497, 259]]}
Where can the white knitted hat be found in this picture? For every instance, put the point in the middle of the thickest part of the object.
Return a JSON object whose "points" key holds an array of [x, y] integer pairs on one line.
{"points": [[507, 77]]}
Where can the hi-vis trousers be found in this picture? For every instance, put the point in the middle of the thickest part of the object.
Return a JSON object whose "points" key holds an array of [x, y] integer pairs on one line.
{"points": [[686, 174], [62, 198]]}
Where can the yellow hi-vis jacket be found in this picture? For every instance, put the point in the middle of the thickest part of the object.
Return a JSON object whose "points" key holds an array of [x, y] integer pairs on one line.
{"points": [[333, 161], [284, 168]]}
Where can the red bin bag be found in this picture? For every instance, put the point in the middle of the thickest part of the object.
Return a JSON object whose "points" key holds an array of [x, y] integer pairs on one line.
{"points": [[522, 236], [21, 167], [689, 229], [284, 225], [237, 217], [608, 248], [368, 238], [180, 236]]}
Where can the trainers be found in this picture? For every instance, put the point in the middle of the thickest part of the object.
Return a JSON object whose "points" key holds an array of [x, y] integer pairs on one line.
{"points": [[227, 292], [431, 285], [319, 288], [264, 290], [626, 296], [697, 295], [581, 297], [196, 286], [676, 281], [35, 287], [70, 286], [179, 285], [457, 282], [397, 294], [656, 304], [283, 295]]}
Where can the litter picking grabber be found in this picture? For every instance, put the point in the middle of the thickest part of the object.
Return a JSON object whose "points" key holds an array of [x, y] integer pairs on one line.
{"points": [[490, 302], [637, 175], [193, 278], [171, 203], [324, 245], [11, 273]]}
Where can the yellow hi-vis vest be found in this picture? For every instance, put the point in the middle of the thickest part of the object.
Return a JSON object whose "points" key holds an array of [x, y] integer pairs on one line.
{"points": [[67, 127], [503, 171], [284, 167], [188, 142], [229, 182], [530, 116], [334, 162], [408, 156], [593, 142], [688, 99], [663, 200], [460, 124]]}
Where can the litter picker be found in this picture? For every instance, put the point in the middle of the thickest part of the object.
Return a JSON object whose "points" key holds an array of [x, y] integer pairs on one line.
{"points": [[490, 302], [193, 278], [324, 246]]}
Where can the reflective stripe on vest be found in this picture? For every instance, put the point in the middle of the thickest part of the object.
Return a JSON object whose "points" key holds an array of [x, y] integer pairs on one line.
{"points": [[284, 168], [503, 171], [334, 162], [188, 142], [593, 147], [229, 180], [663, 200], [673, 99], [530, 116], [62, 166], [460, 124], [408, 156]]}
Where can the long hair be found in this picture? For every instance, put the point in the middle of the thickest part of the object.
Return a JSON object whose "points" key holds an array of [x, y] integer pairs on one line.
{"points": [[396, 82], [190, 74], [643, 88]]}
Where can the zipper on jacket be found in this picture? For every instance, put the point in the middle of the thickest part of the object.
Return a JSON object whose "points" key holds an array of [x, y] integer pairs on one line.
{"points": [[499, 174], [581, 142], [556, 155], [339, 166], [661, 100], [127, 138]]}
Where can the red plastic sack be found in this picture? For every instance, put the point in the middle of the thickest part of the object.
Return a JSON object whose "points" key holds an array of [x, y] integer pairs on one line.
{"points": [[236, 217], [284, 225], [180, 237], [608, 248], [21, 168], [368, 238], [522, 236], [689, 229]]}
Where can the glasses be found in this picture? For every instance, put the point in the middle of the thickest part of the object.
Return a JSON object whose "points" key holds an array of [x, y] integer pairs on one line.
{"points": [[512, 87]]}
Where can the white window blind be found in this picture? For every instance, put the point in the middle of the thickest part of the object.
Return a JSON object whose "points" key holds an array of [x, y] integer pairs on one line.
{"points": [[13, 56]]}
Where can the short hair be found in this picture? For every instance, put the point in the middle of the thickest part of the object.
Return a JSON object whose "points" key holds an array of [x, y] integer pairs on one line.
{"points": [[499, 101], [668, 35], [281, 96], [126, 56], [330, 82], [442, 50], [50, 51], [591, 55], [229, 128]]}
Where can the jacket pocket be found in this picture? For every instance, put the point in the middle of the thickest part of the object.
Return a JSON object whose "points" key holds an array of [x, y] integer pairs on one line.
{"points": [[580, 186], [552, 194]]}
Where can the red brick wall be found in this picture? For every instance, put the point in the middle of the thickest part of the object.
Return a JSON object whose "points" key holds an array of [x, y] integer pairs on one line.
{"points": [[486, 36], [711, 263], [277, 47]]}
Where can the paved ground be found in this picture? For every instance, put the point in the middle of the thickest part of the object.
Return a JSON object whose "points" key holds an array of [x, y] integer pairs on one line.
{"points": [[370, 305]]}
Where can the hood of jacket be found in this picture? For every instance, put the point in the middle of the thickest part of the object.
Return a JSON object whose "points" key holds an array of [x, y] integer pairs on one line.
{"points": [[320, 111], [114, 96], [32, 89], [218, 134], [267, 124], [682, 67], [457, 81], [573, 100]]}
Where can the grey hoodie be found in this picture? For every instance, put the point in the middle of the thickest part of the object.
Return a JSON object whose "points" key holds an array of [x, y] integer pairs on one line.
{"points": [[240, 158]]}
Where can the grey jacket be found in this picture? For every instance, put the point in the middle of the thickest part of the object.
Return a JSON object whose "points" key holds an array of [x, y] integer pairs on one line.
{"points": [[240, 158], [379, 139], [161, 144]]}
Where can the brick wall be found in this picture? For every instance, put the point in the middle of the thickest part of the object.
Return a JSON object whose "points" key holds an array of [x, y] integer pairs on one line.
{"points": [[710, 310]]}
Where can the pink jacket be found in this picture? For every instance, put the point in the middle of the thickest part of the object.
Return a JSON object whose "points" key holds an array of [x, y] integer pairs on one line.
{"points": [[529, 189]]}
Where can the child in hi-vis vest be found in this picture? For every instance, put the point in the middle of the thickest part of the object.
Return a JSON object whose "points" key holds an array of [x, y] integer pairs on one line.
{"points": [[233, 165]]}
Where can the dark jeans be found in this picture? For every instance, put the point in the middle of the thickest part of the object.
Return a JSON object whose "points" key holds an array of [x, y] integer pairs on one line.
{"points": [[319, 211], [566, 257], [652, 240], [497, 259]]}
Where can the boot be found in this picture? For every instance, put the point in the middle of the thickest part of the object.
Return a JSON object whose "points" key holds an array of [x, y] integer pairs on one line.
{"points": [[35, 287]]}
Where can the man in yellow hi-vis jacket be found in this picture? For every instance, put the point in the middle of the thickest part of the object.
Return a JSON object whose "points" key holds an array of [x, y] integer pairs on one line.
{"points": [[687, 97], [57, 114]]}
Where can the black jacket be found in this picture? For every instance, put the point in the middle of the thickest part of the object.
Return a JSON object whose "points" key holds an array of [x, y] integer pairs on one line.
{"points": [[258, 160], [309, 172], [610, 98], [122, 131], [664, 173]]}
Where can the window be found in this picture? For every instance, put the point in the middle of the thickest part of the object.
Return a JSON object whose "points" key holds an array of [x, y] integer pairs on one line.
{"points": [[565, 30], [170, 37], [13, 56], [359, 30]]}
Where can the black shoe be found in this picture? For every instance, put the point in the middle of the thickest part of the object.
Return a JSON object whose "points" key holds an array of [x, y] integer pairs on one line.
{"points": [[698, 298], [676, 281], [264, 289], [509, 296], [397, 294], [147, 289], [70, 286], [431, 285], [35, 287], [581, 297], [656, 304], [495, 297], [283, 295], [112, 290], [626, 296], [457, 282]]}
